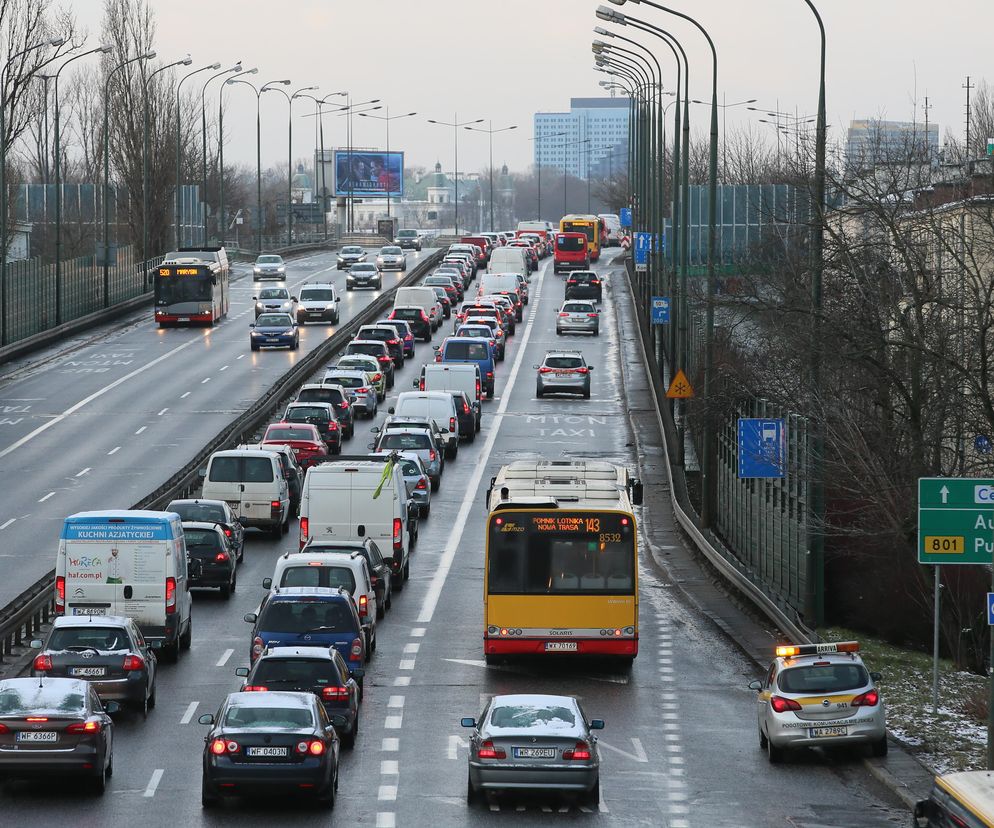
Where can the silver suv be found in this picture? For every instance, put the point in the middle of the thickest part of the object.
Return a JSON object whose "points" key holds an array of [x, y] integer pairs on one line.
{"points": [[563, 372], [578, 315]]}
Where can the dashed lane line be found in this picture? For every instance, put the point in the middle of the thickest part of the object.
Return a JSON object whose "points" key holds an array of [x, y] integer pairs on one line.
{"points": [[191, 708], [224, 658], [153, 783], [114, 450], [46, 497]]}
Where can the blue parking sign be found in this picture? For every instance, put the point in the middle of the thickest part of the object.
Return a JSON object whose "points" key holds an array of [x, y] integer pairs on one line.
{"points": [[762, 447], [990, 609], [625, 214]]}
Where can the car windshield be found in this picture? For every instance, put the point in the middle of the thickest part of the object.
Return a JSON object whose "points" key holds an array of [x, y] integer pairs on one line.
{"points": [[466, 350], [306, 575], [274, 293], [351, 249], [391, 251], [563, 362], [282, 433], [408, 442], [274, 320], [370, 349], [577, 307], [269, 260], [306, 672], [266, 717], [551, 717], [306, 616], [362, 267], [819, 679], [31, 697], [407, 234], [89, 638], [206, 512], [317, 295]]}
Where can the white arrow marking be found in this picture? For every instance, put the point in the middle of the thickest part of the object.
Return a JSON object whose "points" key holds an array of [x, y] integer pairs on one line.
{"points": [[456, 742], [638, 756], [467, 661], [944, 491]]}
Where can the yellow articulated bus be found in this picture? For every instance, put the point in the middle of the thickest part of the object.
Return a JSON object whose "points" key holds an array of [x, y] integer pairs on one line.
{"points": [[561, 570], [591, 226]]}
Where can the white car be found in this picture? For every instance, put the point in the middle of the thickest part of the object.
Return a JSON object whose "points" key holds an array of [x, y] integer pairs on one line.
{"points": [[391, 258], [275, 300], [318, 302]]}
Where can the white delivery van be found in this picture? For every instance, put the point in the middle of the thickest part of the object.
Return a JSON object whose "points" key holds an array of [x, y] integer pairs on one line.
{"points": [[130, 563], [509, 260], [493, 283], [355, 499], [424, 298], [452, 376], [432, 405], [253, 485]]}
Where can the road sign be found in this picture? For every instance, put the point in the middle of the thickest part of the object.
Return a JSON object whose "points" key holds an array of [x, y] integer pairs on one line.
{"points": [[990, 609], [982, 444], [625, 214], [642, 244], [955, 520], [762, 447], [990, 146], [660, 310], [680, 388]]}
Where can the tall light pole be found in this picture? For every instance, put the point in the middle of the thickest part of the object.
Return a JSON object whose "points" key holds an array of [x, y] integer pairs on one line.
{"points": [[56, 42], [145, 197], [538, 139], [491, 132], [387, 119], [58, 181], [203, 131], [319, 128], [289, 153], [455, 133], [221, 224], [110, 75], [179, 148], [258, 152]]}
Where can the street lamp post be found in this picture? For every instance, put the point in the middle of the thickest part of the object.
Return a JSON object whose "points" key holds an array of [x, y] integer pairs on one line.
{"points": [[221, 225], [455, 132], [57, 41], [145, 197], [538, 166], [179, 148], [319, 129], [58, 181], [491, 132], [387, 119], [289, 153], [203, 119], [110, 74]]}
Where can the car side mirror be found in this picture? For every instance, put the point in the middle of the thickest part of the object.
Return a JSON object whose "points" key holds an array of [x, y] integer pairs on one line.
{"points": [[391, 411], [37, 644], [255, 298], [251, 324], [596, 724], [374, 430], [435, 347], [536, 367], [111, 707], [637, 493], [267, 583], [590, 367], [338, 298], [250, 618], [876, 676], [294, 299], [242, 671], [756, 685], [202, 473], [467, 722], [415, 382], [206, 719], [371, 446]]}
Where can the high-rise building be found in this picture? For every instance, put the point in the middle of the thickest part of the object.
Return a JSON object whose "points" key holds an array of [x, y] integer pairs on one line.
{"points": [[871, 142], [595, 139]]}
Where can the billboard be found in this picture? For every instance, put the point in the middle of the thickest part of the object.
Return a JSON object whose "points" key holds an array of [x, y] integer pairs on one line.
{"points": [[369, 174]]}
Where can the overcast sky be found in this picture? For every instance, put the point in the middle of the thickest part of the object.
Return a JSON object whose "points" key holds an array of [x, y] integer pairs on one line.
{"points": [[507, 60]]}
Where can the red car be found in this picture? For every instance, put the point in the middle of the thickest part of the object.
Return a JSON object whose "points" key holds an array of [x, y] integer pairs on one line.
{"points": [[303, 438]]}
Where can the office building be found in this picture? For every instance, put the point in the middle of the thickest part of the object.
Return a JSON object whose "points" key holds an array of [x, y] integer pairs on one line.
{"points": [[871, 142], [600, 122]]}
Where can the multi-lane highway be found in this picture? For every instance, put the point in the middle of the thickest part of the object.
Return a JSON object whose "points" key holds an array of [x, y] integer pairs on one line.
{"points": [[680, 747]]}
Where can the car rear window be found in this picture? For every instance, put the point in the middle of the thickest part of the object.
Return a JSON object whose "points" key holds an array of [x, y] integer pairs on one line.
{"points": [[198, 511], [306, 672], [823, 678], [372, 349], [85, 638], [306, 575], [33, 698], [346, 382], [201, 539], [241, 469], [265, 717], [306, 413], [527, 715], [475, 330], [376, 333], [328, 394], [409, 442], [274, 435], [575, 307], [563, 362], [306, 616], [466, 350], [407, 313]]}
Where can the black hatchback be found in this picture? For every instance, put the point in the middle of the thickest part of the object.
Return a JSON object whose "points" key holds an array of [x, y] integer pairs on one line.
{"points": [[323, 416], [334, 395], [583, 284], [211, 558]]}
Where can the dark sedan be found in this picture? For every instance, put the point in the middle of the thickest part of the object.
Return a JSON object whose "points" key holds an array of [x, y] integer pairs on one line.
{"points": [[260, 743], [212, 560], [213, 511], [583, 284], [274, 330]]}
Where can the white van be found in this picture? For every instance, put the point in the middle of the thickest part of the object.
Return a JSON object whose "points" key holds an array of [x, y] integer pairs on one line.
{"points": [[452, 376], [355, 499], [432, 405], [253, 484], [130, 563], [509, 259], [492, 283], [424, 298]]}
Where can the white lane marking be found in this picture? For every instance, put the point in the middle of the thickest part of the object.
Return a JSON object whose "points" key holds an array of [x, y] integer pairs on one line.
{"points": [[224, 658], [418, 632], [191, 708], [638, 756], [184, 396], [223, 368], [84, 472], [393, 722], [386, 819], [46, 497], [395, 701], [407, 664], [448, 555], [114, 450], [390, 744], [411, 648], [5, 525], [242, 356], [164, 410], [141, 430], [95, 395], [387, 793], [402, 681], [205, 379], [389, 767], [153, 783]]}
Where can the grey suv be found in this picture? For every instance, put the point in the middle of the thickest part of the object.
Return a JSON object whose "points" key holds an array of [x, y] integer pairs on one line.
{"points": [[563, 372]]}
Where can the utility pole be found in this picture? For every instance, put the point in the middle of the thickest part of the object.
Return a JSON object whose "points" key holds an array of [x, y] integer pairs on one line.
{"points": [[967, 86], [928, 146]]}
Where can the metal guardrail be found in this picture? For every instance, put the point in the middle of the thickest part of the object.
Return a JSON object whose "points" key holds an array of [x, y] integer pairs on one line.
{"points": [[23, 617]]}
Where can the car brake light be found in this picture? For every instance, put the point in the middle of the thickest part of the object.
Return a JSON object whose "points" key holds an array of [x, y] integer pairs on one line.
{"points": [[60, 593], [868, 699], [393, 342], [43, 662], [490, 374], [452, 423], [563, 315], [595, 281], [255, 688], [221, 746], [274, 505], [356, 651], [591, 315], [782, 705], [133, 662], [221, 557], [170, 596], [488, 751], [362, 390], [397, 525], [545, 370], [581, 752], [383, 358], [4, 728], [304, 527], [581, 370], [227, 532], [256, 647], [84, 727], [344, 406], [377, 377], [431, 454], [314, 747], [335, 693], [363, 606], [477, 388], [465, 408], [332, 426], [422, 484]]}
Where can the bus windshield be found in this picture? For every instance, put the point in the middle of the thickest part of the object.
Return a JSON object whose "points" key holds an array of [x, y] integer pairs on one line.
{"points": [[169, 291], [559, 552], [570, 244], [579, 227]]}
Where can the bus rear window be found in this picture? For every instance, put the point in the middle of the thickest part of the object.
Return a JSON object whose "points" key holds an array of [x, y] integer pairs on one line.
{"points": [[570, 244]]}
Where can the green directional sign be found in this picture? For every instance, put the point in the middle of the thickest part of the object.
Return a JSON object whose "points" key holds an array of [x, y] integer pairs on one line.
{"points": [[955, 520]]}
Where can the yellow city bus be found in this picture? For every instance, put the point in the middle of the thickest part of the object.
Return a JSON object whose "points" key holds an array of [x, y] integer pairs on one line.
{"points": [[591, 226], [561, 569]]}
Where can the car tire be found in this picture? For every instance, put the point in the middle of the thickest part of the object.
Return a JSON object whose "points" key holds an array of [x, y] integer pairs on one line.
{"points": [[100, 782], [151, 697], [170, 653], [472, 795], [349, 738], [586, 393], [762, 740], [597, 331], [208, 799], [348, 288], [186, 639], [276, 532], [773, 753], [592, 798], [407, 570], [539, 392], [381, 610], [435, 484], [226, 591], [452, 452], [426, 513], [559, 332], [255, 347], [471, 437], [879, 748]]}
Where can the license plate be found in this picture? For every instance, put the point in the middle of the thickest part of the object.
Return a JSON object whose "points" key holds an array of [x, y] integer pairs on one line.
{"points": [[89, 610], [234, 504], [817, 732], [534, 753], [37, 736], [183, 319], [84, 672], [560, 646], [562, 375], [267, 751]]}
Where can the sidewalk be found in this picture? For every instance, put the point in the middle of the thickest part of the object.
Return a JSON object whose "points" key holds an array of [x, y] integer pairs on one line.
{"points": [[684, 568]]}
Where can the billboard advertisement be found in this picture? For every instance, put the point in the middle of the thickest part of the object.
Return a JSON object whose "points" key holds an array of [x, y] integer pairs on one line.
{"points": [[369, 174]]}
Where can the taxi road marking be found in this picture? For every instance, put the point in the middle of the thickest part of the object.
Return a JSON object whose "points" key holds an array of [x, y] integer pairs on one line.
{"points": [[153, 783]]}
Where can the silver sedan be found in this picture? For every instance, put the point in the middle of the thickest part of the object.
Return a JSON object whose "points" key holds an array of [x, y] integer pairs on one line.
{"points": [[534, 742]]}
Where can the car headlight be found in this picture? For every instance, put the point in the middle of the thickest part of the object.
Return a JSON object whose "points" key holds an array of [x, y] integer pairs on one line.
{"points": [[281, 269], [257, 270], [341, 260], [258, 305]]}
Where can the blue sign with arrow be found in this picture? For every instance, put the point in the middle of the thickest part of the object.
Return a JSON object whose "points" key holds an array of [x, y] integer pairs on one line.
{"points": [[625, 214], [642, 244], [762, 448], [660, 310]]}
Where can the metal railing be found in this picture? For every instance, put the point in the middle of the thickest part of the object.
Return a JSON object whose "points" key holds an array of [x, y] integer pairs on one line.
{"points": [[26, 614]]}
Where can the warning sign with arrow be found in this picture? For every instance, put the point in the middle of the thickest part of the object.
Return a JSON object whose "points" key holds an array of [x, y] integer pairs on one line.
{"points": [[680, 388]]}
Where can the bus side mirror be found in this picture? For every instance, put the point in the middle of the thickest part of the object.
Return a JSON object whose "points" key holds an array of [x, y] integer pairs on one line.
{"points": [[637, 493]]}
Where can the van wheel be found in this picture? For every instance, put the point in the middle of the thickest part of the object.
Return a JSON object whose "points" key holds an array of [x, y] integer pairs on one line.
{"points": [[471, 436], [407, 570], [186, 639], [170, 653], [277, 531]]}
